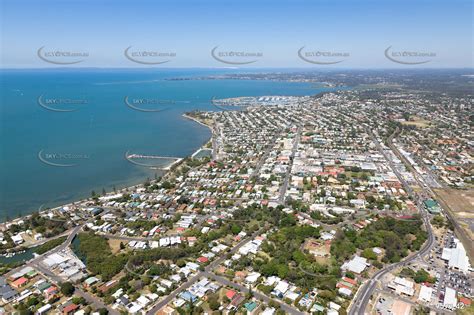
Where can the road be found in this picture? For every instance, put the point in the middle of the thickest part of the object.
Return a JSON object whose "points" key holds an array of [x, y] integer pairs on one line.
{"points": [[214, 136], [264, 157], [362, 298], [284, 186], [459, 231]]}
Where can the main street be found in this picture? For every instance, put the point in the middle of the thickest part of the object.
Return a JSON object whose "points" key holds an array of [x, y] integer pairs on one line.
{"points": [[264, 157], [284, 186]]}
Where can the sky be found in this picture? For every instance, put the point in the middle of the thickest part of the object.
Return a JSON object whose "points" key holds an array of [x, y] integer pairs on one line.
{"points": [[258, 33]]}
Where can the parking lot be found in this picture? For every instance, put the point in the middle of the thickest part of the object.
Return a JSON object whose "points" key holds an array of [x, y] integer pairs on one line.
{"points": [[446, 277]]}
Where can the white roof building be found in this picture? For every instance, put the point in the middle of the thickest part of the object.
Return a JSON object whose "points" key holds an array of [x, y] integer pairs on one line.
{"points": [[425, 294], [291, 295], [134, 308], [268, 311], [402, 286], [456, 257], [356, 265], [450, 300], [282, 287], [334, 306], [54, 260], [345, 291], [143, 301], [44, 309], [252, 277], [17, 239]]}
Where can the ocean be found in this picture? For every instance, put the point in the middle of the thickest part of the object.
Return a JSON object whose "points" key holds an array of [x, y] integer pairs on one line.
{"points": [[65, 132]]}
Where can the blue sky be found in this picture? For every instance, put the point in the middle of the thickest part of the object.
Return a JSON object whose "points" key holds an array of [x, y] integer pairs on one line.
{"points": [[362, 29]]}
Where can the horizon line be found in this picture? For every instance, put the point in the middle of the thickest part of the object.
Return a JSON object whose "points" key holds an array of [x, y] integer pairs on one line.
{"points": [[241, 68]]}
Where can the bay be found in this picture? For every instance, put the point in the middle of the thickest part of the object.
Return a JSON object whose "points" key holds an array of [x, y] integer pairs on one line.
{"points": [[96, 127]]}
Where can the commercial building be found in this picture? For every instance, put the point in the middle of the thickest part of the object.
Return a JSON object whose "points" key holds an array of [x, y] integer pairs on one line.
{"points": [[456, 257]]}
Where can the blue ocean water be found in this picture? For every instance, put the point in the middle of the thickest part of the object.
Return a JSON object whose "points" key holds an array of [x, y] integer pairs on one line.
{"points": [[93, 138]]}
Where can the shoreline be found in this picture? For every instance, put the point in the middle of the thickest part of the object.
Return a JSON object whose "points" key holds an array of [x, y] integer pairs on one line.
{"points": [[166, 170], [199, 122]]}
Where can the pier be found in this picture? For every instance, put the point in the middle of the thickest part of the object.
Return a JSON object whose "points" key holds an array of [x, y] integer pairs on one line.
{"points": [[139, 156]]}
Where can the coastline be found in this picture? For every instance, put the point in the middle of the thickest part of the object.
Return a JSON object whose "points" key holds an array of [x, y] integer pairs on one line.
{"points": [[199, 122], [166, 171]]}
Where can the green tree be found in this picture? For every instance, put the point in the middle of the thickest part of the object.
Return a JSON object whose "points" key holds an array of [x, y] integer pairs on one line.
{"points": [[236, 229], [67, 288], [213, 302], [369, 254], [103, 311]]}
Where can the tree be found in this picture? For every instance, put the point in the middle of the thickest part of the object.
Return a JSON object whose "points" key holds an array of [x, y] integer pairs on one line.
{"points": [[236, 229], [32, 301], [67, 288], [213, 302], [369, 254], [79, 300], [438, 221]]}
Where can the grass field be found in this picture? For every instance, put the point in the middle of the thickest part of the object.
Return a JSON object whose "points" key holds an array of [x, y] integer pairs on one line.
{"points": [[115, 245], [461, 203], [417, 122]]}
